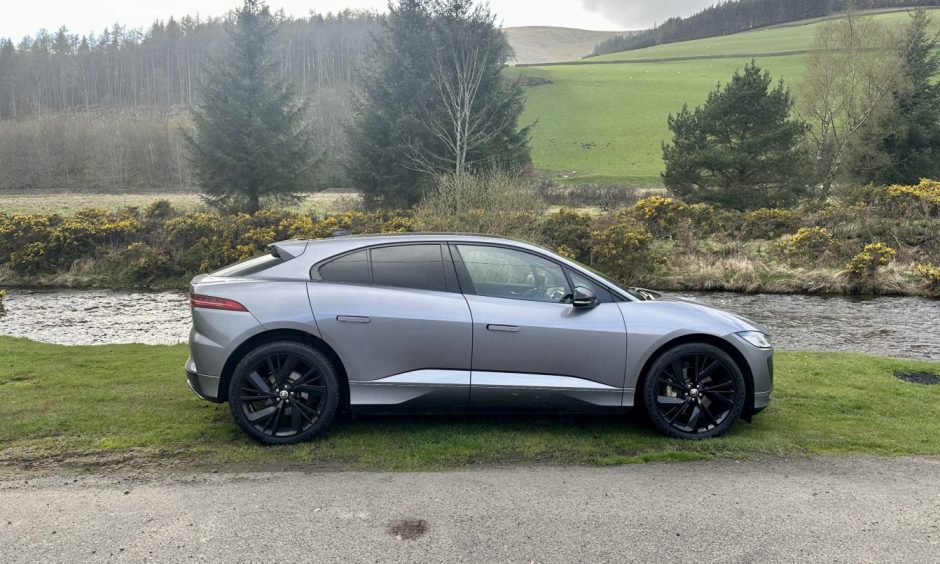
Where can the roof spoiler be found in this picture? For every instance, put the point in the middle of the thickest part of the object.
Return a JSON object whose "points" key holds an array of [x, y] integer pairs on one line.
{"points": [[286, 250]]}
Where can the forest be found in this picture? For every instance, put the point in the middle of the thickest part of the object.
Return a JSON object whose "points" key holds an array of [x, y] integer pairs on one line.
{"points": [[107, 110], [741, 15]]}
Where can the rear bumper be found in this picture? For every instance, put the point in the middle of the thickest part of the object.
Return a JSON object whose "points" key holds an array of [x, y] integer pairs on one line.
{"points": [[206, 387]]}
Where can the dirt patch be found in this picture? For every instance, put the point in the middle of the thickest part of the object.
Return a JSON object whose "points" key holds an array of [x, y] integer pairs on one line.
{"points": [[925, 378], [408, 529]]}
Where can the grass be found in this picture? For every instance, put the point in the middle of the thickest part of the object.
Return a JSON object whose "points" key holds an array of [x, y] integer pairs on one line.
{"points": [[605, 123], [67, 203], [92, 407]]}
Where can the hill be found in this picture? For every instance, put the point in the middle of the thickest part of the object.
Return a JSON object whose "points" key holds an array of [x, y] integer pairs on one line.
{"points": [[538, 44], [735, 16], [603, 119]]}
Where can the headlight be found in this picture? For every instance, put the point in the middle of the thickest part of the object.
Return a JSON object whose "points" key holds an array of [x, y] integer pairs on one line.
{"points": [[756, 338]]}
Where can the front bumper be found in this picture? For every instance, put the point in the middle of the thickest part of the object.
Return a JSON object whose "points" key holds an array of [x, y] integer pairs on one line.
{"points": [[206, 387]]}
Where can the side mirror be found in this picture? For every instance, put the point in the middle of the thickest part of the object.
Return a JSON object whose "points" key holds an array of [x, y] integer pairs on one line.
{"points": [[583, 298]]}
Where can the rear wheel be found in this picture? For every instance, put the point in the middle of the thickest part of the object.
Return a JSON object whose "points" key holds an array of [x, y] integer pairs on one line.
{"points": [[284, 392], [694, 391]]}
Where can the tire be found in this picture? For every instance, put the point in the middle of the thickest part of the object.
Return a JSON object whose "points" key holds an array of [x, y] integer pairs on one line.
{"points": [[284, 392], [704, 401]]}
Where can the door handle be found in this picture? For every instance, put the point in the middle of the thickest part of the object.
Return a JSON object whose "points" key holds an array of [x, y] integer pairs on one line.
{"points": [[505, 328], [353, 319]]}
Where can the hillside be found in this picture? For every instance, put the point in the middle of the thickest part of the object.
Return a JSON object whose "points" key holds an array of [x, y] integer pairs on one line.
{"points": [[605, 123], [536, 44], [736, 16]]}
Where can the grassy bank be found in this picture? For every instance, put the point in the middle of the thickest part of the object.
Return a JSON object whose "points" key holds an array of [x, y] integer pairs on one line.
{"points": [[599, 122], [128, 406]]}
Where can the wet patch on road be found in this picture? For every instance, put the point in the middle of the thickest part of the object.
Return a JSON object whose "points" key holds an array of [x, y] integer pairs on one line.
{"points": [[408, 529]]}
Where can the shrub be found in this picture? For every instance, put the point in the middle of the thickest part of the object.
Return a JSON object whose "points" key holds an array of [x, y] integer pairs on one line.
{"points": [[923, 198], [492, 203], [141, 264], [663, 216], [31, 259], [569, 230], [159, 211], [811, 244], [931, 275], [622, 250], [768, 223], [866, 263]]}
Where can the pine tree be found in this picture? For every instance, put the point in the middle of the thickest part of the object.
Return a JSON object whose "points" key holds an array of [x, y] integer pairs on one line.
{"points": [[904, 145], [251, 144], [434, 100], [739, 150], [394, 83]]}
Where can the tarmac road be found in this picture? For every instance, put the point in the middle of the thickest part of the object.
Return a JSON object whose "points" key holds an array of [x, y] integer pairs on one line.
{"points": [[823, 509]]}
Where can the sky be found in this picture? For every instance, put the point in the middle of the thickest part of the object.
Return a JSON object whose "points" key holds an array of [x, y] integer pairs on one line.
{"points": [[25, 17]]}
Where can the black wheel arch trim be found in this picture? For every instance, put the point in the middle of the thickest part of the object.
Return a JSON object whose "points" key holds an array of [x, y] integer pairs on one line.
{"points": [[272, 335]]}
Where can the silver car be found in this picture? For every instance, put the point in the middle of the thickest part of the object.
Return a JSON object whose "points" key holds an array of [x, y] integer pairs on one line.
{"points": [[460, 323]]}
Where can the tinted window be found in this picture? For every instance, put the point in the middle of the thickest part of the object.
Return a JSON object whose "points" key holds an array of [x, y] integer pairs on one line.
{"points": [[603, 296], [349, 269], [409, 266], [506, 273]]}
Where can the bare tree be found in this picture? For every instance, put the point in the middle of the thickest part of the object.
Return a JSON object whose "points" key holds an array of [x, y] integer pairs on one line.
{"points": [[854, 65], [470, 105]]}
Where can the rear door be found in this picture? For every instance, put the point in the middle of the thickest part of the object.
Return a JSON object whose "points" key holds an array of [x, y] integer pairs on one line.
{"points": [[531, 347], [395, 317]]}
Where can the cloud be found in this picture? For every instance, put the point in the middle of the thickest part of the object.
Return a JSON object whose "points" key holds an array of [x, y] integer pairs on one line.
{"points": [[640, 14]]}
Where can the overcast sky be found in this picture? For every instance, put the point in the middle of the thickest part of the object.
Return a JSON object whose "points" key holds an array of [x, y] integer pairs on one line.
{"points": [[24, 17]]}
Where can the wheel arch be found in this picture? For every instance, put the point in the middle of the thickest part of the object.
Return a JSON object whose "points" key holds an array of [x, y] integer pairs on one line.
{"points": [[271, 336], [722, 344]]}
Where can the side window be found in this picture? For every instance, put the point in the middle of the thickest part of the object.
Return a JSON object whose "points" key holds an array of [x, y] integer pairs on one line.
{"points": [[603, 296], [350, 269], [409, 266], [506, 273]]}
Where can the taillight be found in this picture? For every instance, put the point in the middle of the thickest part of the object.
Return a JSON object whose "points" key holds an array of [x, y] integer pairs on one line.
{"points": [[211, 302]]}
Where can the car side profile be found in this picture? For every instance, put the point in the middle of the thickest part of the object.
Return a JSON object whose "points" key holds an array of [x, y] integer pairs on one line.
{"points": [[460, 323]]}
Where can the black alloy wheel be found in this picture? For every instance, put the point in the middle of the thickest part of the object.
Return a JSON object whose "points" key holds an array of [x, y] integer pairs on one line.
{"points": [[694, 391], [283, 392]]}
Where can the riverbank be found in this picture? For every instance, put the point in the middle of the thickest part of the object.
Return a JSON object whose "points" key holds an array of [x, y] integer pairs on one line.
{"points": [[128, 407]]}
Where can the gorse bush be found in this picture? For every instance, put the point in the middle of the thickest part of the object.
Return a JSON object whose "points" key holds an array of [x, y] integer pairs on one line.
{"points": [[922, 198], [623, 248], [874, 255], [809, 244], [664, 217]]}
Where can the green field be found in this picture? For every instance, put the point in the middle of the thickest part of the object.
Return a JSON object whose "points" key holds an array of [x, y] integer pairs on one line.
{"points": [[605, 123], [128, 406]]}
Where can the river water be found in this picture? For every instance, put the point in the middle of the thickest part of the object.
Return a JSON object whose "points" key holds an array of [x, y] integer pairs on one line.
{"points": [[891, 326]]}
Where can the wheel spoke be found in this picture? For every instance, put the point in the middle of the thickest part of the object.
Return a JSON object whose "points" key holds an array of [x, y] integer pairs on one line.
{"points": [[307, 376], [255, 398], [261, 414], [669, 401], [258, 382], [709, 418], [312, 414], [711, 367], [724, 402], [719, 386], [694, 417], [677, 372], [318, 390], [276, 420], [295, 421], [678, 412], [285, 369]]}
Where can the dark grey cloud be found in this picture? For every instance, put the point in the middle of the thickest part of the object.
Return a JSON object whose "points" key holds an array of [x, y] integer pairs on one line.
{"points": [[639, 14]]}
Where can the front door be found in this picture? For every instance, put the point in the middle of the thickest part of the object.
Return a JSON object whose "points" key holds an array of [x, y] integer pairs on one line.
{"points": [[531, 347]]}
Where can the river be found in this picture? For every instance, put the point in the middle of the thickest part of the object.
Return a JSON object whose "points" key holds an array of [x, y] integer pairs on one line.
{"points": [[892, 326]]}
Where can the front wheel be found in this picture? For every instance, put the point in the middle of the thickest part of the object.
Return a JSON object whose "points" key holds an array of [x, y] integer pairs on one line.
{"points": [[283, 392], [694, 391]]}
